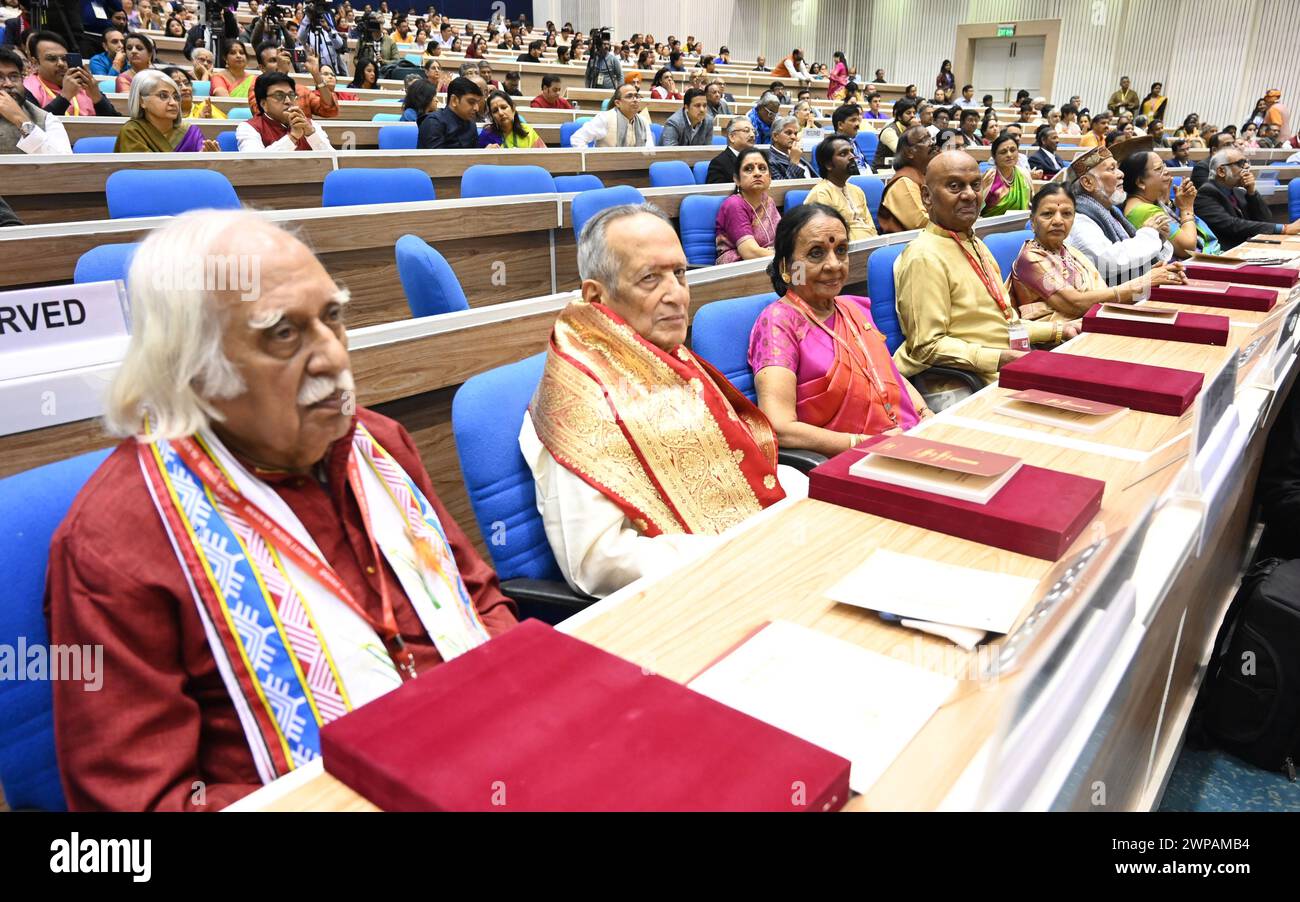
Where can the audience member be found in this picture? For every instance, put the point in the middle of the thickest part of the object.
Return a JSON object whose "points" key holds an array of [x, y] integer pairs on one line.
{"points": [[746, 221], [837, 162], [453, 126], [901, 208], [280, 124]]}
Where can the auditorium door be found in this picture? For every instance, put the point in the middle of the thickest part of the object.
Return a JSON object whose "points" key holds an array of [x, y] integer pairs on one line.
{"points": [[1005, 65]]}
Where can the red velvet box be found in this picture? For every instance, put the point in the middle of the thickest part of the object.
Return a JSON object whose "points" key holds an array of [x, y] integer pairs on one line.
{"points": [[1272, 276], [1237, 297], [1038, 512], [536, 720], [1198, 328], [1154, 389]]}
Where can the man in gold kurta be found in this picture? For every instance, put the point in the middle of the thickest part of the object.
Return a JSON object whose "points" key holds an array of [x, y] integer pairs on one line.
{"points": [[836, 162], [952, 304]]}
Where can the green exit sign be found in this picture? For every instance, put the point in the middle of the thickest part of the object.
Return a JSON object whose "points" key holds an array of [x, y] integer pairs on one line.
{"points": [[1006, 31]]}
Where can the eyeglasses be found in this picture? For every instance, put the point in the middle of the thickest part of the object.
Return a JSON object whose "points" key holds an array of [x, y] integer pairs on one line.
{"points": [[164, 96], [282, 97], [15, 79]]}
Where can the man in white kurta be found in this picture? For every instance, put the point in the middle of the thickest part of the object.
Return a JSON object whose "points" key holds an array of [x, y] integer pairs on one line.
{"points": [[1119, 251], [643, 455]]}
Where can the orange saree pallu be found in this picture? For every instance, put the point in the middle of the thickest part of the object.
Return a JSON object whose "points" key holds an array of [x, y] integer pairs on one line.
{"points": [[663, 435]]}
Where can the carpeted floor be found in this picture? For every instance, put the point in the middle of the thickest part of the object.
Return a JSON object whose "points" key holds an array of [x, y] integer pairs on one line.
{"points": [[1212, 780]]}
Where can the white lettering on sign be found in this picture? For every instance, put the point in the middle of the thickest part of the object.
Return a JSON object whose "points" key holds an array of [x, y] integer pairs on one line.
{"points": [[59, 315]]}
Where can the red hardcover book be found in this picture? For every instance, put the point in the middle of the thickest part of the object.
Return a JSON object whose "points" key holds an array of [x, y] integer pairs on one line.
{"points": [[1235, 297], [1038, 512], [535, 720], [1271, 276], [1154, 389], [1198, 328]]}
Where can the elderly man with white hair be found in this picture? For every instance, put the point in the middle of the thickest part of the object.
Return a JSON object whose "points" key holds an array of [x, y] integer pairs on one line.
{"points": [[1118, 250], [642, 453], [762, 116], [1230, 205], [259, 556]]}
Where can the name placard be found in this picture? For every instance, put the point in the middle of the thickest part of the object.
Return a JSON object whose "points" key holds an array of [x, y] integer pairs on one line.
{"points": [[39, 319], [1213, 402]]}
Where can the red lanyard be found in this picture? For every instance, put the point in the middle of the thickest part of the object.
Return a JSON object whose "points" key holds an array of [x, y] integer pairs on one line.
{"points": [[277, 536], [990, 285], [869, 370]]}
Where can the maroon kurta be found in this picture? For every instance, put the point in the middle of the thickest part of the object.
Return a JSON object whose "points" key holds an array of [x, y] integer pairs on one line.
{"points": [[163, 720]]}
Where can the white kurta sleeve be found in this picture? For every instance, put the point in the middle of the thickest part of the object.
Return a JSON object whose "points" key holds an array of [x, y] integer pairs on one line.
{"points": [[1118, 261], [596, 547], [53, 139], [589, 132]]}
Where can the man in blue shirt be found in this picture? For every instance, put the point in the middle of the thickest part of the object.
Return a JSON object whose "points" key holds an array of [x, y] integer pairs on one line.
{"points": [[453, 126], [113, 58], [762, 115]]}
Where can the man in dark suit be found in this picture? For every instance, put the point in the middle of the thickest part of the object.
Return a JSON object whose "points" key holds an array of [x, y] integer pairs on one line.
{"points": [[1229, 204], [1201, 168], [1045, 158], [722, 168]]}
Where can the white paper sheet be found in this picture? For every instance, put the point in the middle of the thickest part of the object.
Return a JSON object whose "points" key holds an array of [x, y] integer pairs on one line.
{"points": [[921, 589], [856, 703]]}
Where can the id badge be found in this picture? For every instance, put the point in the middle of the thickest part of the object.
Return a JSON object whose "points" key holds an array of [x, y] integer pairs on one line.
{"points": [[1018, 336]]}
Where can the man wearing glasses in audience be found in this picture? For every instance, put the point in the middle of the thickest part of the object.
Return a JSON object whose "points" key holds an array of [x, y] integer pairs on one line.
{"points": [[24, 126], [625, 124], [281, 125], [57, 89]]}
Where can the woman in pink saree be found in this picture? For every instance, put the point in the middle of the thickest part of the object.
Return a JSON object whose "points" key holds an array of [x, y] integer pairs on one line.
{"points": [[822, 371]]}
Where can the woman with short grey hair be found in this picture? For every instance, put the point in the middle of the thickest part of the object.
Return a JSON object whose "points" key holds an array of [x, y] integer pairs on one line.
{"points": [[156, 125]]}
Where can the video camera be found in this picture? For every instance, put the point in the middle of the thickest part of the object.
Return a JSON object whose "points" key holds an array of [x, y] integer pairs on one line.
{"points": [[273, 12]]}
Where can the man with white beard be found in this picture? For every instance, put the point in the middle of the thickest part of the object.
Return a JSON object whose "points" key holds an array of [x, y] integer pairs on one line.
{"points": [[1100, 230]]}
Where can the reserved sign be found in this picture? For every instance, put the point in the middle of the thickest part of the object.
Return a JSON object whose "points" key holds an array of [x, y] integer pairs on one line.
{"points": [[46, 318]]}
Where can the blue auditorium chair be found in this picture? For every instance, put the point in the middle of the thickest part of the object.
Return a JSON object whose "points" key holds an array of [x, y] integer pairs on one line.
{"points": [[95, 144], [481, 180], [167, 192], [240, 112], [933, 383], [701, 170], [588, 203], [106, 263], [201, 88], [1005, 247], [873, 188], [867, 141], [32, 504], [398, 137], [658, 131], [427, 278], [568, 184], [228, 142], [386, 117], [720, 334], [108, 85], [697, 218], [486, 415], [568, 128], [1293, 199], [353, 187], [719, 139], [670, 174], [794, 199]]}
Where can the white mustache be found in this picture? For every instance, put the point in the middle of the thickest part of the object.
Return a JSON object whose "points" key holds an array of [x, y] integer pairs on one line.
{"points": [[318, 388]]}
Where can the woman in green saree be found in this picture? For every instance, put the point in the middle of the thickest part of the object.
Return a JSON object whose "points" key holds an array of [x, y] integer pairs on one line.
{"points": [[234, 81], [1147, 183], [1006, 186], [155, 125]]}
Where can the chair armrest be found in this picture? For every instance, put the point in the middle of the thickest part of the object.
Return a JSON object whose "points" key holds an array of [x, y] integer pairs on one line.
{"points": [[547, 600], [944, 386], [801, 460]]}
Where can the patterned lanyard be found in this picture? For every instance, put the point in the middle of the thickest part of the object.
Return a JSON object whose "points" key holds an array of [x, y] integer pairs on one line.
{"points": [[990, 285], [276, 535], [870, 368]]}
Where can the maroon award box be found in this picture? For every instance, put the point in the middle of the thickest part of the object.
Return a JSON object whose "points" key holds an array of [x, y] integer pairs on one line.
{"points": [[1271, 276], [1038, 512], [535, 720], [1198, 328], [1154, 389], [1237, 297]]}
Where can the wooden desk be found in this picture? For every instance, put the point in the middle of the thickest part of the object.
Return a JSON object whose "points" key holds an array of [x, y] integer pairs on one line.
{"points": [[68, 189]]}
